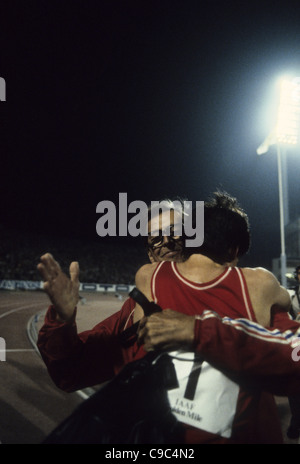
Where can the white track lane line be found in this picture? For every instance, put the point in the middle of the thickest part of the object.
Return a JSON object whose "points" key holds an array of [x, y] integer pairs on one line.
{"points": [[81, 393], [7, 313], [17, 350]]}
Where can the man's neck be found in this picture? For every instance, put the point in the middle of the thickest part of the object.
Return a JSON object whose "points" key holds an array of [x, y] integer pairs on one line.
{"points": [[200, 268]]}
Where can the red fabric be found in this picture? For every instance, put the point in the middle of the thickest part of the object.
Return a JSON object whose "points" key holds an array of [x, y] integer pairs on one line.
{"points": [[80, 360], [227, 294], [76, 361]]}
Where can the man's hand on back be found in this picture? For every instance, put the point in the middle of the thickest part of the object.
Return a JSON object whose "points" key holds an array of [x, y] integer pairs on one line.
{"points": [[167, 330]]}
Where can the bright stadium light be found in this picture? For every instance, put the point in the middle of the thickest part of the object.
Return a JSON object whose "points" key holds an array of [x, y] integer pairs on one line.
{"points": [[285, 133], [288, 117]]}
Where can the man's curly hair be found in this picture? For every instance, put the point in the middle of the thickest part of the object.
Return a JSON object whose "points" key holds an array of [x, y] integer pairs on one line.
{"points": [[226, 229]]}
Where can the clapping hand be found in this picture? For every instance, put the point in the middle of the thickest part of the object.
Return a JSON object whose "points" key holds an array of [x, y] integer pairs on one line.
{"points": [[62, 290]]}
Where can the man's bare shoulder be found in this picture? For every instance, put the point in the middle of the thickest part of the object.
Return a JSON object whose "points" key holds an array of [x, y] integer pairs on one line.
{"points": [[259, 274], [265, 292], [144, 273], [143, 278], [147, 269], [263, 280]]}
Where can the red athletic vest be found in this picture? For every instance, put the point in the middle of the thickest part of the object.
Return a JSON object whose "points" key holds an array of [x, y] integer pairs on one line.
{"points": [[227, 294], [211, 405]]}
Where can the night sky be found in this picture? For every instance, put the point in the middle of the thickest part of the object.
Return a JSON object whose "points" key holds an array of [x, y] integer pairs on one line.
{"points": [[152, 98]]}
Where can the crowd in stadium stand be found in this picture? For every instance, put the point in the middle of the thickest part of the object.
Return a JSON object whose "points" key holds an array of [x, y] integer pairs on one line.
{"points": [[100, 260]]}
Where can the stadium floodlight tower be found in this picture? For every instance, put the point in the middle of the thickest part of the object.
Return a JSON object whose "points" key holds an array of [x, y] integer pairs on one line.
{"points": [[285, 134]]}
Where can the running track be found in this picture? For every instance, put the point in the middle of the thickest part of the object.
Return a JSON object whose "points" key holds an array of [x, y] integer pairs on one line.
{"points": [[30, 404]]}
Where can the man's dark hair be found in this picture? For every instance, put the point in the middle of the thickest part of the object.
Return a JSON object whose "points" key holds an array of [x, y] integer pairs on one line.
{"points": [[226, 229]]}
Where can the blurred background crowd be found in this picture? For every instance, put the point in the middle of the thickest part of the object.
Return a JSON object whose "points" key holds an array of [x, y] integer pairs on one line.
{"points": [[101, 261]]}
